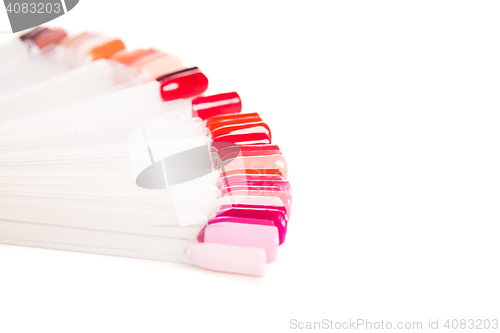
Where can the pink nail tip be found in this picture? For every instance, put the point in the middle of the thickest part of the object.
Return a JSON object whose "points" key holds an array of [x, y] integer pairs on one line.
{"points": [[201, 235], [279, 185], [233, 151], [245, 235], [251, 206], [273, 190], [209, 106], [183, 84], [246, 138], [229, 258], [224, 181], [252, 150], [260, 162], [277, 216], [280, 190], [224, 219], [243, 220]]}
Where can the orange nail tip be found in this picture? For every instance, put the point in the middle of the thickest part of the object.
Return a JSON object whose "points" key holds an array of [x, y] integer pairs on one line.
{"points": [[129, 61], [106, 50], [124, 55]]}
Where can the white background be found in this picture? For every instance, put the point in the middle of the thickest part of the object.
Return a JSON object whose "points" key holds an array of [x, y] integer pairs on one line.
{"points": [[5, 27], [388, 115]]}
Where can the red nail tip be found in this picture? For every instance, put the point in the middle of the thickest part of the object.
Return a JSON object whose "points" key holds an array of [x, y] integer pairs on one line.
{"points": [[206, 107], [183, 84], [284, 186], [232, 119], [259, 172], [242, 128]]}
